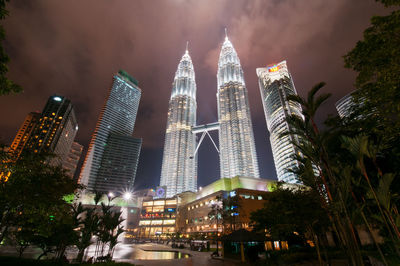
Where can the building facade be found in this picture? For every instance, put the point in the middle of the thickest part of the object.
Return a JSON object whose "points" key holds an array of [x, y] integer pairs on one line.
{"points": [[117, 117], [179, 166], [119, 164], [344, 105], [157, 218], [236, 139], [194, 217], [71, 161], [56, 129], [188, 212], [24, 134], [276, 84]]}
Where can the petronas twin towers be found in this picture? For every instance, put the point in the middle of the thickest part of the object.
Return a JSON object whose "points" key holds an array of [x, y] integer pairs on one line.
{"points": [[236, 138]]}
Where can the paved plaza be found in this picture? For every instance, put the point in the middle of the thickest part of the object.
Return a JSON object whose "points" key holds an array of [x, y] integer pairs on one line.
{"points": [[196, 258], [129, 253]]}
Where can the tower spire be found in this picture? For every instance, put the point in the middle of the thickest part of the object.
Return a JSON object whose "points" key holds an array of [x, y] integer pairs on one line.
{"points": [[226, 34], [187, 46]]}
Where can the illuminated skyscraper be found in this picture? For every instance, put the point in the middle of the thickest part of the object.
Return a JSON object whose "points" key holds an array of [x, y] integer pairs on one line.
{"points": [[344, 105], [276, 84], [24, 134], [236, 139], [56, 129], [179, 167], [112, 137]]}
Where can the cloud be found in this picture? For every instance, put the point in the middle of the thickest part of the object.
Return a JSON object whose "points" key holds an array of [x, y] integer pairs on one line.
{"points": [[73, 49]]}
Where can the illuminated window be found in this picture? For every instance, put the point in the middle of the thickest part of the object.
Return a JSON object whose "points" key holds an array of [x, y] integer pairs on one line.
{"points": [[148, 203], [170, 202], [169, 221], [158, 209], [159, 202], [144, 222], [156, 222]]}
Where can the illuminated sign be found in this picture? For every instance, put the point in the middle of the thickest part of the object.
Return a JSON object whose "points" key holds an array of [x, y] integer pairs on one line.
{"points": [[273, 68]]}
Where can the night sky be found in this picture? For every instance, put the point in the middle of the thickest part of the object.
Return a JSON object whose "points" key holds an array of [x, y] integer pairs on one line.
{"points": [[73, 48]]}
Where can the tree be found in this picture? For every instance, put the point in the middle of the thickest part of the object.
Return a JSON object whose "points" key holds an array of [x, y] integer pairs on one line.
{"points": [[6, 85], [292, 214], [33, 205], [87, 220], [376, 58]]}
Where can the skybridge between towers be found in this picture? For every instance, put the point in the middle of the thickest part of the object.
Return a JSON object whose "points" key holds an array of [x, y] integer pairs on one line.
{"points": [[204, 129]]}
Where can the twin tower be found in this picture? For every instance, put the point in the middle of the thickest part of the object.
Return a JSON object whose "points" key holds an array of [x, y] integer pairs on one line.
{"points": [[236, 139]]}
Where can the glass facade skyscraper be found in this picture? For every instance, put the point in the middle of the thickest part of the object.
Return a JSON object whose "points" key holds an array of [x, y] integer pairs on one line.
{"points": [[56, 129], [179, 166], [276, 84], [236, 139], [114, 132], [344, 106]]}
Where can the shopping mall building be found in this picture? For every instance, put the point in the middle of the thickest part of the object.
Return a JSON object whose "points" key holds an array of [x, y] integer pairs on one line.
{"points": [[188, 212]]}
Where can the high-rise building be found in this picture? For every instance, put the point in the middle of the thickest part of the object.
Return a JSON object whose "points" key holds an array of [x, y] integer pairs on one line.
{"points": [[179, 166], [119, 163], [24, 134], [344, 105], [72, 160], [56, 129], [117, 118], [236, 139], [276, 84]]}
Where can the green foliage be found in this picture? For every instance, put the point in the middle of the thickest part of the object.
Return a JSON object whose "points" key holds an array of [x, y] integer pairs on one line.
{"points": [[6, 85], [376, 58], [33, 192], [291, 214], [389, 2]]}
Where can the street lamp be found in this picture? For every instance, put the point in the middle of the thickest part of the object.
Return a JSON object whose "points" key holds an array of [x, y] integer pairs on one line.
{"points": [[127, 195]]}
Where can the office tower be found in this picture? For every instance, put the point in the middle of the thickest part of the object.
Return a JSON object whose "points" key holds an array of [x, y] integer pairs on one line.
{"points": [[114, 128], [344, 106], [179, 167], [24, 134], [72, 160], [55, 130], [236, 139], [119, 163], [276, 84]]}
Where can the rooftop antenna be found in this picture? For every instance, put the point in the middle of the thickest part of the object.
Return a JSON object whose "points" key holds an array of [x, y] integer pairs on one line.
{"points": [[187, 46], [226, 34]]}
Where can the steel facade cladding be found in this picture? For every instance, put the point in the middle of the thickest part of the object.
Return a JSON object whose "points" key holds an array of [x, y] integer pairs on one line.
{"points": [[179, 166], [275, 85], [119, 164], [117, 116], [236, 139]]}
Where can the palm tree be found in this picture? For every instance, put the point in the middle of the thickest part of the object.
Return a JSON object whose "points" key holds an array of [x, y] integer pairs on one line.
{"points": [[312, 144]]}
